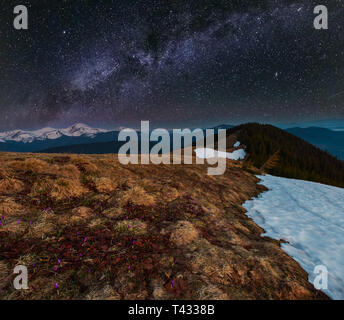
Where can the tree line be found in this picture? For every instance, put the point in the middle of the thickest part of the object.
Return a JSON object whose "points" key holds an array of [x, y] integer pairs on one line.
{"points": [[280, 153]]}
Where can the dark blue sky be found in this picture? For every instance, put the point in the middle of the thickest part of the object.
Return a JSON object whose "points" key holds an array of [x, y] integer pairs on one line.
{"points": [[176, 63]]}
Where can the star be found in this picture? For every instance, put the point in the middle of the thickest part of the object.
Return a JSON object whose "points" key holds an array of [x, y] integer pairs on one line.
{"points": [[177, 63]]}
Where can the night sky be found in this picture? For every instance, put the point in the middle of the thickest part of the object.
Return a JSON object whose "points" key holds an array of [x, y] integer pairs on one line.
{"points": [[176, 63]]}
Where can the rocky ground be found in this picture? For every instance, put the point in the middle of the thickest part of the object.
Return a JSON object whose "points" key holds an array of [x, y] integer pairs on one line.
{"points": [[88, 227]]}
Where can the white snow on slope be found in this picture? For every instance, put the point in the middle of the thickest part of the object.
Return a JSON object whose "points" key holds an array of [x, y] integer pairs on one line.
{"points": [[310, 216], [205, 153], [75, 130], [237, 144]]}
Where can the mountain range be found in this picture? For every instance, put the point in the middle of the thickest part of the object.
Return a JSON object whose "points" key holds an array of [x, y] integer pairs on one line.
{"points": [[46, 138], [331, 141], [81, 138], [75, 130]]}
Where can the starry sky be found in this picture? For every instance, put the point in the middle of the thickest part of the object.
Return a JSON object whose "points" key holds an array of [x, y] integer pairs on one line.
{"points": [[181, 63]]}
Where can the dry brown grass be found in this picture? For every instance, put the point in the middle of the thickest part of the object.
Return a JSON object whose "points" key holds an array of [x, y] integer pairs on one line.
{"points": [[4, 271], [97, 223], [43, 167], [85, 164], [203, 258], [13, 227], [184, 234], [115, 212], [59, 189], [27, 259], [41, 229], [11, 186], [105, 293], [131, 227], [30, 164], [137, 195], [211, 292], [4, 174], [81, 214], [105, 185], [39, 289], [181, 226], [10, 207], [67, 171]]}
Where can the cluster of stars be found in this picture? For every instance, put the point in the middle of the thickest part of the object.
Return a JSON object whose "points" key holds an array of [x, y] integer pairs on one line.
{"points": [[115, 63]]}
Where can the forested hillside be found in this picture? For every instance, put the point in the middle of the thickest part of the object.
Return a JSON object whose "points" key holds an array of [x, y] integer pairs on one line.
{"points": [[280, 153]]}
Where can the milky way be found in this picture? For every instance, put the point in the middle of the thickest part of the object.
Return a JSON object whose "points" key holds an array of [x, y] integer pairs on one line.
{"points": [[176, 63]]}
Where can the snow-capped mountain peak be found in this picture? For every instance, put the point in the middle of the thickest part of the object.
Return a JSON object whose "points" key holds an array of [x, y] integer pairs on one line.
{"points": [[79, 129], [48, 133]]}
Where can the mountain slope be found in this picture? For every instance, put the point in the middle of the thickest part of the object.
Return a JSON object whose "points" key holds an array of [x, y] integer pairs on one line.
{"points": [[296, 158], [90, 228], [325, 139]]}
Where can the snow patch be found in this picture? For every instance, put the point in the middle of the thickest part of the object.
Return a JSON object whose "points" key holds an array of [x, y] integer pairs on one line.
{"points": [[310, 216], [205, 153], [237, 144]]}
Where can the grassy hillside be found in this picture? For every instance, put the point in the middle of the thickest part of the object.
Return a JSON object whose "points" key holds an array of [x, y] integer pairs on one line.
{"points": [[88, 227], [283, 154]]}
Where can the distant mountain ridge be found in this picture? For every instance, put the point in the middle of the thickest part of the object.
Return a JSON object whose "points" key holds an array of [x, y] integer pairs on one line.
{"points": [[328, 140], [81, 138], [45, 138], [76, 130]]}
